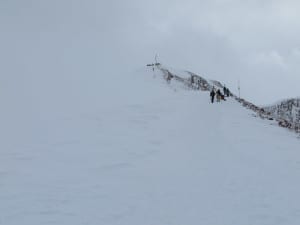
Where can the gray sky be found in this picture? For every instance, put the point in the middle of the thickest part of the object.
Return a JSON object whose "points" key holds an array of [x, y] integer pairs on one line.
{"points": [[80, 41]]}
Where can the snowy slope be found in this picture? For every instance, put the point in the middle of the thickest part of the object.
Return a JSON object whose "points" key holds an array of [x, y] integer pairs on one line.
{"points": [[155, 153]]}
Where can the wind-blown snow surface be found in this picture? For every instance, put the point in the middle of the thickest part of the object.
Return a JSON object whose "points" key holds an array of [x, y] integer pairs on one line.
{"points": [[154, 154]]}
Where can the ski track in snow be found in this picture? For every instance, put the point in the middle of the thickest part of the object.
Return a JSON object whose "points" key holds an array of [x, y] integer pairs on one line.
{"points": [[159, 155]]}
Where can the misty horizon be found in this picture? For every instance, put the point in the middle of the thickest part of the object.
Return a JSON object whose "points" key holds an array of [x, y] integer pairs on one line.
{"points": [[255, 43]]}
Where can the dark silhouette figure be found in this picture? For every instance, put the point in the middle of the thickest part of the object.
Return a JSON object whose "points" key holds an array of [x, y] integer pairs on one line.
{"points": [[219, 95], [227, 92], [212, 95]]}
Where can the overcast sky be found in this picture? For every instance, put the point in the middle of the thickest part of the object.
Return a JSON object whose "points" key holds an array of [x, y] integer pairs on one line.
{"points": [[53, 41]]}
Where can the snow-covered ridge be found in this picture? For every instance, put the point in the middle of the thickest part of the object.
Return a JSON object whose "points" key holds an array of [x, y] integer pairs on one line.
{"points": [[190, 79], [285, 113]]}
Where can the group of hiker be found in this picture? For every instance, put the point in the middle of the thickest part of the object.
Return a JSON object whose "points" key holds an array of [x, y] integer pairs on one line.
{"points": [[218, 94]]}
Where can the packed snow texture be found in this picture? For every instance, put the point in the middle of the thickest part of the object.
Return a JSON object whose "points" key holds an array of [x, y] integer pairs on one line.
{"points": [[138, 151]]}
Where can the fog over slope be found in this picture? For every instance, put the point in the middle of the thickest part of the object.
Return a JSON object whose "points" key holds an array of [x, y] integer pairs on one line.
{"points": [[87, 140], [254, 42]]}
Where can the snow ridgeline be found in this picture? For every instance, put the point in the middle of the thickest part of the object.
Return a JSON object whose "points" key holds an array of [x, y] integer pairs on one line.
{"points": [[286, 113]]}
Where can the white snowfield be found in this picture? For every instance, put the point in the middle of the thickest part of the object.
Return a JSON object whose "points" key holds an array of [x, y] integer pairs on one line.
{"points": [[144, 152]]}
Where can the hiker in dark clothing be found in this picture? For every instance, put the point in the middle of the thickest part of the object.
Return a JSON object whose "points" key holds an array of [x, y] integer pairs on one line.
{"points": [[225, 90], [212, 95], [219, 95]]}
